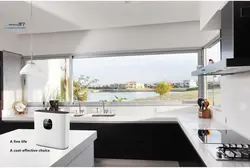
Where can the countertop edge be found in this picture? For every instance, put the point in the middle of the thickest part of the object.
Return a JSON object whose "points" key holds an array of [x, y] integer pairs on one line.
{"points": [[66, 159], [191, 141], [184, 123], [52, 157], [99, 120]]}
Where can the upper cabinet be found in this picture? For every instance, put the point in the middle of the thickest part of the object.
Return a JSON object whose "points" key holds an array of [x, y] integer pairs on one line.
{"points": [[210, 14]]}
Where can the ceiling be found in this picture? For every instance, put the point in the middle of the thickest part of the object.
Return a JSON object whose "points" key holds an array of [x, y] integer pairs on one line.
{"points": [[56, 16]]}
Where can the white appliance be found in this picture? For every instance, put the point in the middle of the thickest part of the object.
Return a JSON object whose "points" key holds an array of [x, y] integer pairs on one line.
{"points": [[52, 128]]}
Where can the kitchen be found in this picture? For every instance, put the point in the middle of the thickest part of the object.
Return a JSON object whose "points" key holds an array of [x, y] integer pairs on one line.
{"points": [[142, 130]]}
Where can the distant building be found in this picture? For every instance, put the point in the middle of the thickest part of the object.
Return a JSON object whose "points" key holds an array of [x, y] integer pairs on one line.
{"points": [[96, 87], [118, 86], [135, 85], [114, 86], [151, 86], [122, 86], [106, 87], [178, 85], [189, 84], [213, 83]]}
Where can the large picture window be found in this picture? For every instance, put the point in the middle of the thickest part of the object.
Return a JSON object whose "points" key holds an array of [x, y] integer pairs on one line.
{"points": [[213, 82], [164, 77]]}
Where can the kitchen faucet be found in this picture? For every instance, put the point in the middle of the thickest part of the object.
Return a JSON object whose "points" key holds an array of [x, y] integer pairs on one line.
{"points": [[103, 106], [79, 104]]}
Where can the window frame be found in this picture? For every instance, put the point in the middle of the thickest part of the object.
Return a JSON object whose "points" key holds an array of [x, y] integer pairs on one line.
{"points": [[201, 91], [210, 44]]}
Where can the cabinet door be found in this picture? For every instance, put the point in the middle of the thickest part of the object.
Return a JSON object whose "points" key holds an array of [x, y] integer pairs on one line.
{"points": [[241, 29]]}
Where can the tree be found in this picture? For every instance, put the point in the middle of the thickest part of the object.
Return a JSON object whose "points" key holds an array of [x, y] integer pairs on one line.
{"points": [[163, 88], [80, 87], [79, 92]]}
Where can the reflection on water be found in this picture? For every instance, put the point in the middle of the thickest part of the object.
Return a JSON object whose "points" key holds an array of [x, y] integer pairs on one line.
{"points": [[111, 95]]}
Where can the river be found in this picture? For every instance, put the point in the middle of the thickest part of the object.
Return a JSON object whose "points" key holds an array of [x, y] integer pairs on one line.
{"points": [[96, 96]]}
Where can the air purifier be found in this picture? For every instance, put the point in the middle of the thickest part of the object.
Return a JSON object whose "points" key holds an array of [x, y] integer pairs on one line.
{"points": [[52, 128]]}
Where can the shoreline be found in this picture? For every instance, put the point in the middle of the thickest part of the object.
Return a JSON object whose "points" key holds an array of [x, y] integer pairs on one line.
{"points": [[139, 90]]}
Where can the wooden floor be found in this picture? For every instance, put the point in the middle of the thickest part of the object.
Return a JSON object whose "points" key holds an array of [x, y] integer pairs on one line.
{"points": [[134, 163]]}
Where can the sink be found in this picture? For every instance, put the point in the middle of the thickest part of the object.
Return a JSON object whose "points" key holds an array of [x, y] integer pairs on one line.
{"points": [[103, 115], [78, 115]]}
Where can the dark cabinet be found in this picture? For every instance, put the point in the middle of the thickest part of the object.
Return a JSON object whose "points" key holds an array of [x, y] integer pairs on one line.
{"points": [[144, 141], [10, 126], [241, 29]]}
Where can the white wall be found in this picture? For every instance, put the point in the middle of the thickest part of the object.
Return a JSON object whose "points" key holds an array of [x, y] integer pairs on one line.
{"points": [[162, 36], [35, 86], [45, 84], [136, 111], [208, 9], [12, 80], [9, 41], [235, 91]]}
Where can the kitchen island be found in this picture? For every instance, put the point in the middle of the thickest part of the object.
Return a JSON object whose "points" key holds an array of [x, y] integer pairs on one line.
{"points": [[18, 149]]}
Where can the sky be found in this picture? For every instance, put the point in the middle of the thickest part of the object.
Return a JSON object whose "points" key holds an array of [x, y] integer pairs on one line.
{"points": [[143, 69]]}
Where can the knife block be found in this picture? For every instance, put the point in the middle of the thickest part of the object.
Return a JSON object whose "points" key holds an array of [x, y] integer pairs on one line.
{"points": [[205, 113]]}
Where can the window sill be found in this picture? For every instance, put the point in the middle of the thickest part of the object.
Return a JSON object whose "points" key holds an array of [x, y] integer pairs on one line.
{"points": [[134, 103]]}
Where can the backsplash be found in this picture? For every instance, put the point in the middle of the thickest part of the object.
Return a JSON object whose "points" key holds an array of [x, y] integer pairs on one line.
{"points": [[136, 111], [235, 96]]}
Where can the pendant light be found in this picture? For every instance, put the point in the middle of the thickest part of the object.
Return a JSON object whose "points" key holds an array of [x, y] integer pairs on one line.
{"points": [[30, 68]]}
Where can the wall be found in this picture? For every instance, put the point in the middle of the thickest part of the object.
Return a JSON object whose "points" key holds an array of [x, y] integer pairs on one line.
{"points": [[162, 36], [34, 87], [122, 111], [235, 93], [45, 84], [9, 41], [12, 80], [136, 111], [208, 9]]}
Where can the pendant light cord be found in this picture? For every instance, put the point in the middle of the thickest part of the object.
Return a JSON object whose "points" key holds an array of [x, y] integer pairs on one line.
{"points": [[31, 34]]}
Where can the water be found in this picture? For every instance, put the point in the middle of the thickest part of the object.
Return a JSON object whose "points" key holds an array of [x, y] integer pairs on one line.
{"points": [[111, 95]]}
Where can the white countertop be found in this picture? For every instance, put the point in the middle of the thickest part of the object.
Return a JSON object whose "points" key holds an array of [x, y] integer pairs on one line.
{"points": [[188, 120], [201, 148], [79, 140]]}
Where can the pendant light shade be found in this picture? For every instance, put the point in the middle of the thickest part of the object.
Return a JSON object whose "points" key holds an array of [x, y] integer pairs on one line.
{"points": [[30, 69]]}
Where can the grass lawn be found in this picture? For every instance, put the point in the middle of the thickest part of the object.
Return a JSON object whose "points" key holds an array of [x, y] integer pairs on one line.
{"points": [[188, 95]]}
